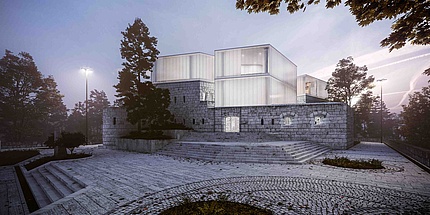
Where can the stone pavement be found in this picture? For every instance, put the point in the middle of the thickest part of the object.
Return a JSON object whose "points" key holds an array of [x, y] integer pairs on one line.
{"points": [[119, 182]]}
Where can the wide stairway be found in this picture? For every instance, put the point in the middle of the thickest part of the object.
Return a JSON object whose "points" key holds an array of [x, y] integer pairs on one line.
{"points": [[279, 152], [50, 183]]}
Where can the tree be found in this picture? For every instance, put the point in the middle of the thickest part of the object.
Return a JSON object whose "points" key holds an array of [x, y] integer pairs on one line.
{"points": [[362, 111], [66, 140], [19, 84], [97, 102], [416, 115], [412, 22], [49, 103], [347, 81], [76, 120], [142, 100]]}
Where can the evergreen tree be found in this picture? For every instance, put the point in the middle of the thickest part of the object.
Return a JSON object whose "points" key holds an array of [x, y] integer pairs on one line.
{"points": [[97, 102]]}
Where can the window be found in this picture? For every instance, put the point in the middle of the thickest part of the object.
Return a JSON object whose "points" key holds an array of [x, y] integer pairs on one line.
{"points": [[114, 121], [175, 99], [262, 121], [273, 121], [194, 121], [203, 121], [287, 120], [184, 121], [318, 120], [308, 86], [231, 124], [184, 99]]}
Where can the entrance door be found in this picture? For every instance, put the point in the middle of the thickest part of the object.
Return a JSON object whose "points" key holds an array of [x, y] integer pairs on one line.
{"points": [[231, 124]]}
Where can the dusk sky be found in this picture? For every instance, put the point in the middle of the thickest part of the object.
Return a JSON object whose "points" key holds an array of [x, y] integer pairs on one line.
{"points": [[64, 36]]}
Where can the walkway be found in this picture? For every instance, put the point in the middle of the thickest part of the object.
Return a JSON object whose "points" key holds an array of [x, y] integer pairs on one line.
{"points": [[134, 181]]}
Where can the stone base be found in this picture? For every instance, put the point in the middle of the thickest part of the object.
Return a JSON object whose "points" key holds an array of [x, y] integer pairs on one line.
{"points": [[140, 145]]}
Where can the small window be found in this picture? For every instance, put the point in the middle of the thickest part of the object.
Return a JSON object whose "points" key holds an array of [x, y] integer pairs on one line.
{"points": [[203, 121], [287, 120], [114, 121], [273, 121], [184, 99], [194, 121], [262, 121], [318, 120], [184, 121], [175, 99]]}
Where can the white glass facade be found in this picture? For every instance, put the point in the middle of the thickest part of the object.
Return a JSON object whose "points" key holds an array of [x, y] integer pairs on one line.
{"points": [[257, 75], [308, 85], [194, 66]]}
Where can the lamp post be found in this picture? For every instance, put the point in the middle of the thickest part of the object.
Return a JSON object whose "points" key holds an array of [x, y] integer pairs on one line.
{"points": [[87, 71], [381, 80]]}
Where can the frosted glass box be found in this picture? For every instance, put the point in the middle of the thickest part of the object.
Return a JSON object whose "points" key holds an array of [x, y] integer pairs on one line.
{"points": [[311, 86], [255, 75], [184, 67]]}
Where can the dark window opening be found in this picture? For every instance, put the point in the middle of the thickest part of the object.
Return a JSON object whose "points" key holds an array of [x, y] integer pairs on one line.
{"points": [[262, 121], [184, 99], [273, 121], [175, 99], [114, 121], [203, 121], [194, 121], [184, 121]]}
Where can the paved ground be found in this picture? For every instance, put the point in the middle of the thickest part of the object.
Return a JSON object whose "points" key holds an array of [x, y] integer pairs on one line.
{"points": [[120, 182]]}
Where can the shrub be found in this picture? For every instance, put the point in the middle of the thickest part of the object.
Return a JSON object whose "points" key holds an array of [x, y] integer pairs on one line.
{"points": [[354, 164], [67, 140], [16, 156]]}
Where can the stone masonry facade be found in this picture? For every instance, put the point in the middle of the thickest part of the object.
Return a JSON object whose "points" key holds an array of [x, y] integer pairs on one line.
{"points": [[192, 104]]}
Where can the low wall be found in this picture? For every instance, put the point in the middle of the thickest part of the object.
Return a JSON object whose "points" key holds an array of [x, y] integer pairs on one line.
{"points": [[140, 145], [417, 153]]}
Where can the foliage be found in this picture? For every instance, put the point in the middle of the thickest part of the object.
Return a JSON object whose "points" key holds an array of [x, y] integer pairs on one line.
{"points": [[44, 160], [354, 164], [143, 101], [30, 105], [367, 118], [16, 156], [214, 207], [347, 81], [416, 115], [76, 121], [67, 140], [412, 22]]}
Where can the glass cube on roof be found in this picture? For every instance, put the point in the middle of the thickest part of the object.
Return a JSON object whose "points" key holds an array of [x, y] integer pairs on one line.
{"points": [[193, 66], [309, 85]]}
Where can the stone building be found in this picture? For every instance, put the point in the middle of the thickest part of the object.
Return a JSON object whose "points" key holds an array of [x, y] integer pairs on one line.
{"points": [[247, 89]]}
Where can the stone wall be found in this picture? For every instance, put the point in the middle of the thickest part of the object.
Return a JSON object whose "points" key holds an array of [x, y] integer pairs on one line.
{"points": [[190, 103], [329, 124], [115, 125], [140, 145]]}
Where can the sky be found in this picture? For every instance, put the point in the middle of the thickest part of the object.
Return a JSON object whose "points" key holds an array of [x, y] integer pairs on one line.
{"points": [[64, 36]]}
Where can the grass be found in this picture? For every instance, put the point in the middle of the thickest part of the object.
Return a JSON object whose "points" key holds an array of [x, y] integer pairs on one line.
{"points": [[16, 156], [354, 164], [214, 207], [44, 160]]}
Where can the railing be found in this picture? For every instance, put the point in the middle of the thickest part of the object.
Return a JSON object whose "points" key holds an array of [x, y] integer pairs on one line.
{"points": [[420, 155]]}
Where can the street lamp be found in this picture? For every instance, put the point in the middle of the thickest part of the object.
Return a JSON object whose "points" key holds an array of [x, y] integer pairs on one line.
{"points": [[381, 80], [87, 71]]}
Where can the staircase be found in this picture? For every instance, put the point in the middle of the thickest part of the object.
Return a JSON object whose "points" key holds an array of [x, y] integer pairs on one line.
{"points": [[49, 183], [258, 137], [280, 152]]}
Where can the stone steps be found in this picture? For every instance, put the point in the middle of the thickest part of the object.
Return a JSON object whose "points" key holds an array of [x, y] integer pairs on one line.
{"points": [[228, 137], [49, 183], [271, 152]]}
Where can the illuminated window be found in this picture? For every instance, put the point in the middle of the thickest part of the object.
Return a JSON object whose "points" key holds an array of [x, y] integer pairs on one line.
{"points": [[308, 87], [287, 120], [318, 120], [231, 124]]}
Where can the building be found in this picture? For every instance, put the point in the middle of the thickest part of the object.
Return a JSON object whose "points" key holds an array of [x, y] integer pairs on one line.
{"points": [[247, 89]]}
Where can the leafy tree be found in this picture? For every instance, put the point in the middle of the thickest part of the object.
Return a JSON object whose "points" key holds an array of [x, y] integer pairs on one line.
{"points": [[76, 120], [49, 103], [142, 100], [19, 84], [97, 102], [412, 22], [347, 81], [362, 113], [416, 115]]}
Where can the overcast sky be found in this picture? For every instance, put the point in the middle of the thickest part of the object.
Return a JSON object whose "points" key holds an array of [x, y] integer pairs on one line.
{"points": [[64, 36]]}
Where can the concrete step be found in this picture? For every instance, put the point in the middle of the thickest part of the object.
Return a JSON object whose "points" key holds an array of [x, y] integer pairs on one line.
{"points": [[47, 188], [38, 193], [66, 180]]}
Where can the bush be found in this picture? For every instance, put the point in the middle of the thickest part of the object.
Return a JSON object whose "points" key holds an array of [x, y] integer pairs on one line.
{"points": [[214, 207], [354, 164], [67, 140], [16, 156]]}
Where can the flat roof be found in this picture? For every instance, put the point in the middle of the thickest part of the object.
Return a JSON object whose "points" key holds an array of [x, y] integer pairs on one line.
{"points": [[190, 53]]}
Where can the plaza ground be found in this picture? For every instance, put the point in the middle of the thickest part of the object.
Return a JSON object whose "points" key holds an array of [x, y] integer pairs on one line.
{"points": [[121, 182]]}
